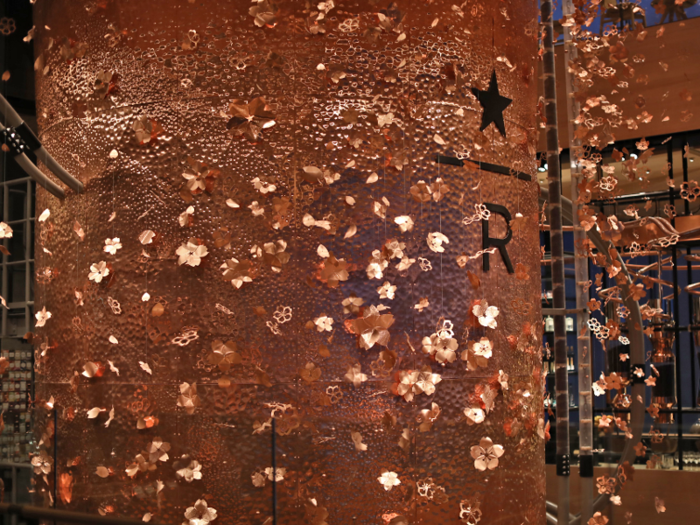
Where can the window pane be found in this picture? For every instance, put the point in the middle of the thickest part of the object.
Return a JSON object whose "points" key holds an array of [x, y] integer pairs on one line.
{"points": [[16, 283], [16, 202], [17, 244], [32, 278], [32, 201], [13, 171], [29, 248], [16, 325]]}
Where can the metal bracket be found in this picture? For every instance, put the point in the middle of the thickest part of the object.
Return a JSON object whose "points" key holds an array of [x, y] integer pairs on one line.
{"points": [[585, 466], [563, 465], [635, 378], [14, 141], [563, 311]]}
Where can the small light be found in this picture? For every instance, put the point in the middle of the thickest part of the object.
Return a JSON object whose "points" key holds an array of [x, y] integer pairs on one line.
{"points": [[623, 159], [546, 166], [541, 169], [633, 155], [691, 159]]}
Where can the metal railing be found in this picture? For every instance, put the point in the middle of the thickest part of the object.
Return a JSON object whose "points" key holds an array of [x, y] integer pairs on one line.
{"points": [[32, 514], [13, 492]]}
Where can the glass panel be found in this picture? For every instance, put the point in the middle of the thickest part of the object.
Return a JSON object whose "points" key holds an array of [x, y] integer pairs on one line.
{"points": [[16, 202], [16, 283], [17, 244], [13, 171], [622, 13], [16, 323], [32, 279], [32, 201], [693, 156], [29, 247]]}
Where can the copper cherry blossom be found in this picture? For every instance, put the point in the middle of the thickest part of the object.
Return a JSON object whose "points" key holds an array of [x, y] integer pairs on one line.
{"points": [[224, 355], [263, 185], [435, 241], [191, 472], [191, 253], [198, 178], [387, 291], [261, 476], [486, 314], [263, 11], [237, 272], [469, 513], [41, 317], [478, 354], [334, 271], [486, 454], [188, 398], [377, 264], [272, 253], [158, 450], [421, 192], [352, 304], [248, 120], [389, 480], [416, 382], [404, 222], [5, 231], [372, 328], [474, 415], [98, 271], [140, 464], [442, 345], [42, 463], [324, 323], [199, 514], [112, 245], [355, 376], [598, 519]]}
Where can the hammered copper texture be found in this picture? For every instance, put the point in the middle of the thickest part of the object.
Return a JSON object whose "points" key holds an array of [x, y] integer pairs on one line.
{"points": [[423, 77]]}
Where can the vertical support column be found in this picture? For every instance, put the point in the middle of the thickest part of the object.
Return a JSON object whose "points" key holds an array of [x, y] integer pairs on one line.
{"points": [[583, 339], [3, 174], [557, 243], [292, 115], [689, 269], [4, 288], [676, 311]]}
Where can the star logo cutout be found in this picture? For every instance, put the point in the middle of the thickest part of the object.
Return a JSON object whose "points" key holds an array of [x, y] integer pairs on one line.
{"points": [[494, 104]]}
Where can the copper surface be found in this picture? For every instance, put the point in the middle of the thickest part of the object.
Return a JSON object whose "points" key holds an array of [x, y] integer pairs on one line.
{"points": [[133, 94]]}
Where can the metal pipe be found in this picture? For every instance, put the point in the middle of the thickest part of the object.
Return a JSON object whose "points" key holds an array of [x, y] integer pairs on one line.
{"points": [[637, 355], [689, 268], [41, 179], [676, 311], [561, 375], [583, 336], [15, 121], [632, 198], [55, 455], [274, 472], [43, 513], [13, 519], [691, 317], [563, 311]]}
